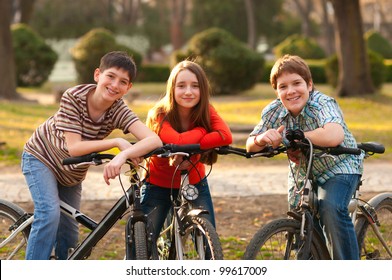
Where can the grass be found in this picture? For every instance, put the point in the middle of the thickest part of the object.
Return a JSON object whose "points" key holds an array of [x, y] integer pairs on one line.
{"points": [[367, 117]]}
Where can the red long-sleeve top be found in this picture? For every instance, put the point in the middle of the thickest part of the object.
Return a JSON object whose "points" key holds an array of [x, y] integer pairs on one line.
{"points": [[161, 173]]}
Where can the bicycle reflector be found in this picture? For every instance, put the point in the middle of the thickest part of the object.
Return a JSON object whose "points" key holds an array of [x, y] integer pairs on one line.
{"points": [[190, 192]]}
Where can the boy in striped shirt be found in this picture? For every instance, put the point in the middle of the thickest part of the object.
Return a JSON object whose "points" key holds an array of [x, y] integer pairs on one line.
{"points": [[88, 113]]}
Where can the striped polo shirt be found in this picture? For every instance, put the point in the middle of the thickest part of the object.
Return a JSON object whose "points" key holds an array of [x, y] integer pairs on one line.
{"points": [[319, 110], [48, 142]]}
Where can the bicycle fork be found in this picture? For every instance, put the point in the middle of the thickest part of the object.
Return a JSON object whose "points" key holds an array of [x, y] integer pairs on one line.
{"points": [[23, 222]]}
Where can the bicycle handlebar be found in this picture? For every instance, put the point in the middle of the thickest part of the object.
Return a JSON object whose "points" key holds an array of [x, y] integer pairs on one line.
{"points": [[168, 150], [89, 158]]}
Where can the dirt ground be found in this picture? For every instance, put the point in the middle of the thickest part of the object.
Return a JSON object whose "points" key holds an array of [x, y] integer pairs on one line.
{"points": [[238, 218]]}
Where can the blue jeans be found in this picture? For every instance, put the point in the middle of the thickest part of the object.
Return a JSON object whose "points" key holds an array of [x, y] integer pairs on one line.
{"points": [[50, 229], [334, 197], [156, 203]]}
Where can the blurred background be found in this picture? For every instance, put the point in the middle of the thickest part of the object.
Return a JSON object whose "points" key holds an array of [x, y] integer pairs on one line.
{"points": [[235, 40], [47, 46]]}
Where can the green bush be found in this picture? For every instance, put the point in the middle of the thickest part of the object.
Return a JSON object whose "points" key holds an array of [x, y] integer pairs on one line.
{"points": [[153, 73], [378, 69], [230, 66], [89, 49], [388, 65], [34, 59], [317, 68], [378, 44], [301, 46]]}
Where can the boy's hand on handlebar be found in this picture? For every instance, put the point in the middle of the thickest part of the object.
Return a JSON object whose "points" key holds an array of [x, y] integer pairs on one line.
{"points": [[113, 168], [272, 137]]}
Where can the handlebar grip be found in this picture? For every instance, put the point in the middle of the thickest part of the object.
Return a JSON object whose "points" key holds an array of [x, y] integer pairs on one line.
{"points": [[174, 148], [188, 148], [79, 159], [344, 150]]}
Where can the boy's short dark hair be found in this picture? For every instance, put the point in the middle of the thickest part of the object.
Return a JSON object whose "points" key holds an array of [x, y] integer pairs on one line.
{"points": [[291, 64], [119, 59]]}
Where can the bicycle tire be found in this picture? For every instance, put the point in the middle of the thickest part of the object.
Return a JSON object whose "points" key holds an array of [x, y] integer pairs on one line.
{"points": [[271, 242], [141, 246], [200, 241], [16, 248], [369, 245]]}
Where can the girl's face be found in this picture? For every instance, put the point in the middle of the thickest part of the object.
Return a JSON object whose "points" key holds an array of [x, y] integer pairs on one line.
{"points": [[186, 90], [113, 83], [293, 91]]}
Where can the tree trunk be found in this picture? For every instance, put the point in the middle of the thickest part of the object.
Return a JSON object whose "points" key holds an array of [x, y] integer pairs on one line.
{"points": [[250, 15], [354, 73], [304, 9], [176, 23], [27, 8], [329, 41], [7, 66]]}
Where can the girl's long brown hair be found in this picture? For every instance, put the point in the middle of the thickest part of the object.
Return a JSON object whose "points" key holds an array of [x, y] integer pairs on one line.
{"points": [[168, 108]]}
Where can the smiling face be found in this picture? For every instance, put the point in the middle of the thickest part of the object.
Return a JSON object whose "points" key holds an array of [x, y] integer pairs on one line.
{"points": [[112, 83], [293, 91], [186, 90]]}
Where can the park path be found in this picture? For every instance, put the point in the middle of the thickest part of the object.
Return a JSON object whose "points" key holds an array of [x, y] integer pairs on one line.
{"points": [[226, 180]]}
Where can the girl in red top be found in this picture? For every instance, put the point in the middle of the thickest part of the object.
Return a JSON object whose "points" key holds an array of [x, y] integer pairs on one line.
{"points": [[183, 116]]}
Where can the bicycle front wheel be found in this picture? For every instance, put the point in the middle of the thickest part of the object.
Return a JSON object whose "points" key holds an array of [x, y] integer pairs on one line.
{"points": [[280, 240], [141, 245], [200, 241], [370, 246], [14, 249]]}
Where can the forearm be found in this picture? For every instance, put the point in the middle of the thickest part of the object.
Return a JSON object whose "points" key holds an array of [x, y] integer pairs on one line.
{"points": [[169, 135], [142, 147], [251, 145], [330, 135], [216, 139], [85, 147]]}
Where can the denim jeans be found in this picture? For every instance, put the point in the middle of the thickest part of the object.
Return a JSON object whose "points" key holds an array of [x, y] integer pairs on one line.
{"points": [[156, 203], [50, 229], [334, 197]]}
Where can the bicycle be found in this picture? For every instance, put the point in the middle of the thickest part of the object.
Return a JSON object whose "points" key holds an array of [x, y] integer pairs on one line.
{"points": [[15, 223], [186, 233], [296, 237]]}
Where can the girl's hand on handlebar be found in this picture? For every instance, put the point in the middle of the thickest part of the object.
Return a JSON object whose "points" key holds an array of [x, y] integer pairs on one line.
{"points": [[179, 160]]}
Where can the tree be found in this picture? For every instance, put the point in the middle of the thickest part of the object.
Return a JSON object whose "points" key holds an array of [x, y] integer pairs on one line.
{"points": [[23, 11], [329, 39], [250, 16], [177, 16], [304, 9], [354, 73], [7, 67]]}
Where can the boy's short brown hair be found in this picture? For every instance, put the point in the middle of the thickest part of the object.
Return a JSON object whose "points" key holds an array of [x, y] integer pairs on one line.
{"points": [[291, 64], [119, 59]]}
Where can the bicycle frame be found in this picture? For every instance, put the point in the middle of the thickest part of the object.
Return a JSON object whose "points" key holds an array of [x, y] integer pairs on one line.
{"points": [[356, 206], [98, 229]]}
